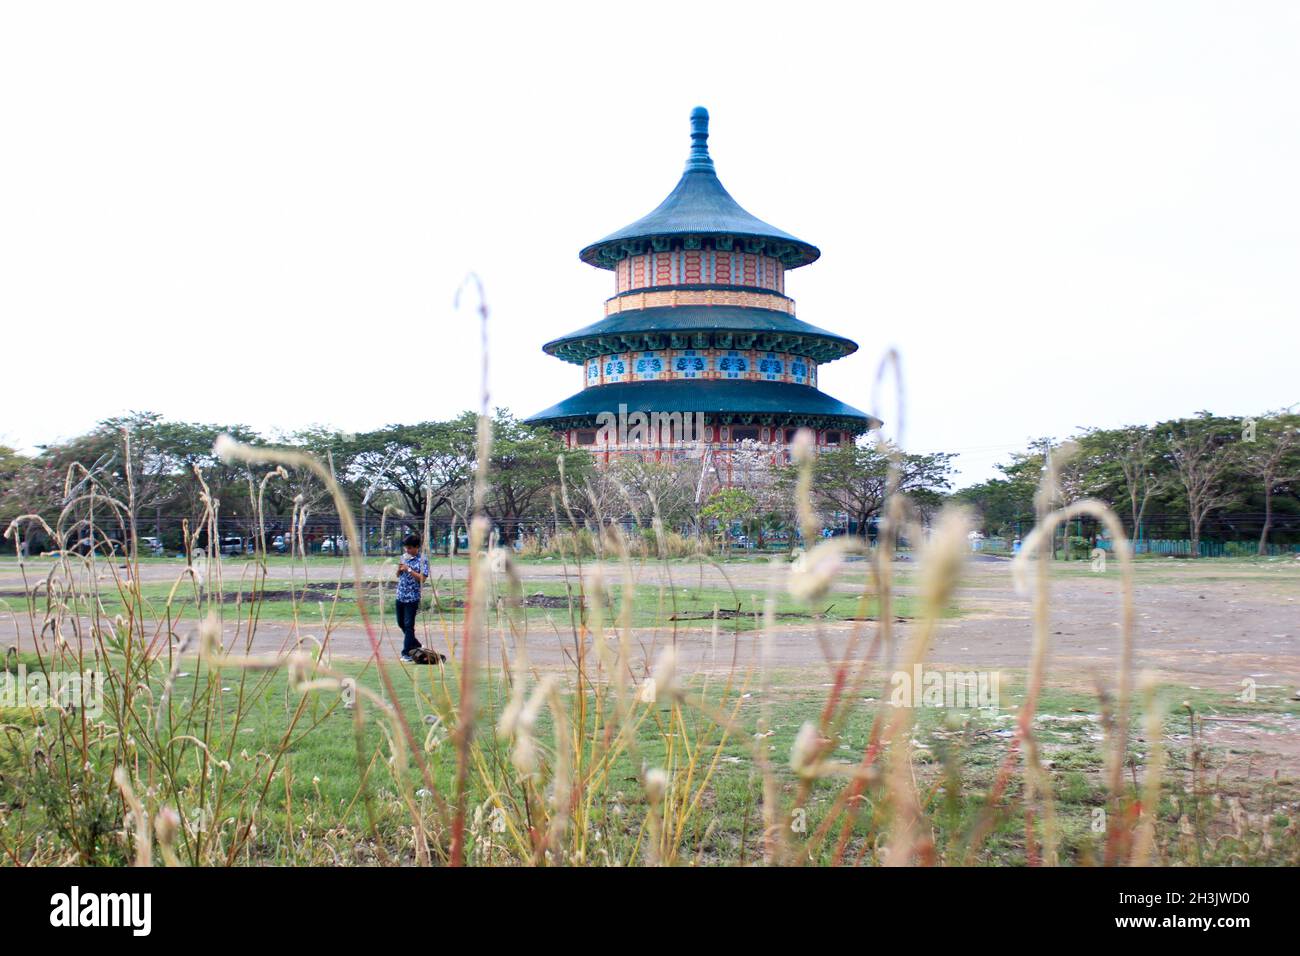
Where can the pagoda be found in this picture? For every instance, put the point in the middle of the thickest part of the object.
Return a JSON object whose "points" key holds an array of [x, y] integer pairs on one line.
{"points": [[700, 330]]}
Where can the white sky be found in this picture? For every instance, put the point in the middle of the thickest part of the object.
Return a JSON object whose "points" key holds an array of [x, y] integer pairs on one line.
{"points": [[1061, 214]]}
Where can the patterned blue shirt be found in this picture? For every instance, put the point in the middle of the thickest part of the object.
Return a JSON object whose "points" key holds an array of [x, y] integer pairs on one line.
{"points": [[408, 588]]}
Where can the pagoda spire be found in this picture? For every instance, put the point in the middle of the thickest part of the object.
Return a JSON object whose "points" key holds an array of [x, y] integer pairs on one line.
{"points": [[699, 209], [699, 158]]}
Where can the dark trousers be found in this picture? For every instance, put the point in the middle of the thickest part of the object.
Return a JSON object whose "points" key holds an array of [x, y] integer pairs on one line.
{"points": [[406, 621]]}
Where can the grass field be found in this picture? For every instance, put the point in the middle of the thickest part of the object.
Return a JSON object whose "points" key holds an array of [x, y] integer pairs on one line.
{"points": [[330, 800]]}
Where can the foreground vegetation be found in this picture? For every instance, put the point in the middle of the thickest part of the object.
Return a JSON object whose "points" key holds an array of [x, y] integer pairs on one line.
{"points": [[207, 751], [332, 800]]}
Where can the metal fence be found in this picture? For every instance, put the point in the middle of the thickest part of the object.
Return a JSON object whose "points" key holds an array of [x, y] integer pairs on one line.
{"points": [[1175, 547], [1209, 548]]}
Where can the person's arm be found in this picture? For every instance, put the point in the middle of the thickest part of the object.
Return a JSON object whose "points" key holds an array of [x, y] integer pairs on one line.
{"points": [[418, 574]]}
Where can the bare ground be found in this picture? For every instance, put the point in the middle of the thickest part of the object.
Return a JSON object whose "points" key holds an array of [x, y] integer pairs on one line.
{"points": [[1206, 624]]}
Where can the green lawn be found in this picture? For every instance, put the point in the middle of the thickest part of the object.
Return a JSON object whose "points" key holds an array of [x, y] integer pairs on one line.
{"points": [[330, 794], [280, 598]]}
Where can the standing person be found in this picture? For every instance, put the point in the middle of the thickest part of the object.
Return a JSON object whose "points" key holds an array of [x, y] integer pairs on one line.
{"points": [[411, 573]]}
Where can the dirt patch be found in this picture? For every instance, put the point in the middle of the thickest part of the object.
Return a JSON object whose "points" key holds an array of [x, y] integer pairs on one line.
{"points": [[553, 602], [731, 614]]}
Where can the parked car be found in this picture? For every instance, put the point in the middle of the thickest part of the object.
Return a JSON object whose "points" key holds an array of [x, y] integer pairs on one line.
{"points": [[150, 544], [279, 544], [333, 545], [231, 544]]}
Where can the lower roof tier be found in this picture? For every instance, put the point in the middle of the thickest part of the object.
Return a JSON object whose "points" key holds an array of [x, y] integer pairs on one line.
{"points": [[700, 327], [724, 400]]}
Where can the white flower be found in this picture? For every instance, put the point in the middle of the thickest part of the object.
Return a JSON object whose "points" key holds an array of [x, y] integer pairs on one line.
{"points": [[805, 751], [812, 574], [656, 784]]}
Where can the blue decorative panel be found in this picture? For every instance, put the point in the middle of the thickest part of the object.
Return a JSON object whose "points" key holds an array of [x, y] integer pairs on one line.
{"points": [[649, 366], [733, 365], [770, 367], [615, 368], [663, 365], [690, 364]]}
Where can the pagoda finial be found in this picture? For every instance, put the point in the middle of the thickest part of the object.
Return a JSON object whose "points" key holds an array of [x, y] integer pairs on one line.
{"points": [[699, 158]]}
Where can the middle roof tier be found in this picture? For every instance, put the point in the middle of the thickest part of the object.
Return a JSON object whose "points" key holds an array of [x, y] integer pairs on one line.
{"points": [[700, 327]]}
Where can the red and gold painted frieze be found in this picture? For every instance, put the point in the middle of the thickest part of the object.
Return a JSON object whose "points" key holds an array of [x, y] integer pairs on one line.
{"points": [[699, 267]]}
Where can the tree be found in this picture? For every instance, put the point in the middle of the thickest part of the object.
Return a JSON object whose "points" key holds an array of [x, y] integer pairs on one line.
{"points": [[424, 464], [599, 499], [1271, 455], [764, 524], [337, 450], [163, 456], [14, 469], [1124, 467], [658, 489], [727, 506], [750, 466], [32, 485], [1202, 454], [854, 479], [524, 469], [154, 446], [1008, 502]]}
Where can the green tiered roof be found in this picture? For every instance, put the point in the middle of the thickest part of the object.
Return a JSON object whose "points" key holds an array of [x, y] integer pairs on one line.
{"points": [[680, 327], [698, 207], [727, 400]]}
